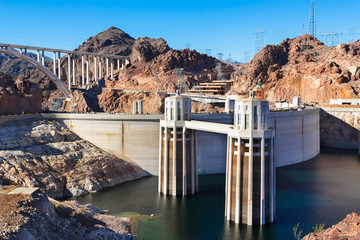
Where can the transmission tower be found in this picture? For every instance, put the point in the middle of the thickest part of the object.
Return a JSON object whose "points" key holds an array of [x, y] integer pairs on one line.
{"points": [[208, 52], [334, 38], [259, 40], [220, 56], [351, 34], [246, 59], [312, 22]]}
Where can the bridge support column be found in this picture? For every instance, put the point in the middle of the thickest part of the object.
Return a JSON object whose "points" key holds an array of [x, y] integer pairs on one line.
{"points": [[112, 68], [43, 57], [69, 71], [74, 69], [100, 68], [82, 71], [87, 70], [107, 67], [38, 56], [54, 62], [59, 65], [118, 64], [95, 73]]}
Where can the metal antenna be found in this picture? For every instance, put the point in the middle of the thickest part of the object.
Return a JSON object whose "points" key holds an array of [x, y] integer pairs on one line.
{"points": [[312, 21], [259, 40]]}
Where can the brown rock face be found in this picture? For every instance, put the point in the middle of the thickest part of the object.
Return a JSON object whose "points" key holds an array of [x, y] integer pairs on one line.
{"points": [[111, 41], [18, 97], [348, 229], [145, 49], [304, 66]]}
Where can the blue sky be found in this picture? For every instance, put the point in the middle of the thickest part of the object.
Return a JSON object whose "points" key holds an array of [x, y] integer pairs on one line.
{"points": [[223, 26]]}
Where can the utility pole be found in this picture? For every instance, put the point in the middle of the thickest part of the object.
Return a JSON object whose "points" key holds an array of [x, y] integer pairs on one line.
{"points": [[312, 20], [259, 40]]}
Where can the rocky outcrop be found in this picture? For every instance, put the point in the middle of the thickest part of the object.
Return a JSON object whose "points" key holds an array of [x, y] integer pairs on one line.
{"points": [[46, 154], [348, 229], [34, 216], [304, 66], [18, 97], [145, 49], [111, 41], [339, 129]]}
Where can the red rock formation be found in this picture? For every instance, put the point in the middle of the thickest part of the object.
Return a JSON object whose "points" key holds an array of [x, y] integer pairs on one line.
{"points": [[18, 97], [348, 229], [304, 66]]}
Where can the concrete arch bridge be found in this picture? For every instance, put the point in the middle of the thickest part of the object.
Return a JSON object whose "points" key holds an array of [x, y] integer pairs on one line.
{"points": [[54, 74]]}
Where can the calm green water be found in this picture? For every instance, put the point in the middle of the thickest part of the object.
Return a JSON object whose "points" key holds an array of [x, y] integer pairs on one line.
{"points": [[322, 190]]}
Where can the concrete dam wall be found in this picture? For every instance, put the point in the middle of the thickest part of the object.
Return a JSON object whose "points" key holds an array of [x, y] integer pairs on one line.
{"points": [[297, 135], [136, 137]]}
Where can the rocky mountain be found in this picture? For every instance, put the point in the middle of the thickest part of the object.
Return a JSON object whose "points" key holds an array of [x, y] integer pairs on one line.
{"points": [[111, 41], [304, 66]]}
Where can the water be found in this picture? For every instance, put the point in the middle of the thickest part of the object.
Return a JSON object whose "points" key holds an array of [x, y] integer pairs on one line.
{"points": [[322, 190]]}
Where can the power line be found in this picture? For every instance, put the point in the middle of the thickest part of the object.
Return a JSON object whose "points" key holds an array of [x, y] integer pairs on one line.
{"points": [[312, 20], [259, 40]]}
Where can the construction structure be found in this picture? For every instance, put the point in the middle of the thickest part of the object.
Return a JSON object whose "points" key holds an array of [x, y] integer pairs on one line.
{"points": [[216, 87]]}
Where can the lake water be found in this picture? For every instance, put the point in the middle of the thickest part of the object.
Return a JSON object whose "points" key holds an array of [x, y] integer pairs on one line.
{"points": [[322, 190]]}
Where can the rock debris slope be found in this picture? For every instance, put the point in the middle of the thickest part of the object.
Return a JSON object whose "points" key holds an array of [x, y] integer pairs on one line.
{"points": [[46, 154]]}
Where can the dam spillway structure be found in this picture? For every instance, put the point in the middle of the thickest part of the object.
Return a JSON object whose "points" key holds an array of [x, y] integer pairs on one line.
{"points": [[177, 165], [250, 169]]}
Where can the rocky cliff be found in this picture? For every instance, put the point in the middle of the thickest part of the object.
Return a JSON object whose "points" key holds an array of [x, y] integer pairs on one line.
{"points": [[304, 66], [34, 216], [19, 96], [348, 229], [46, 154]]}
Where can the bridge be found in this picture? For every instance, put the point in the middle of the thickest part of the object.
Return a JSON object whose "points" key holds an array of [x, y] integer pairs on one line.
{"points": [[23, 52]]}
